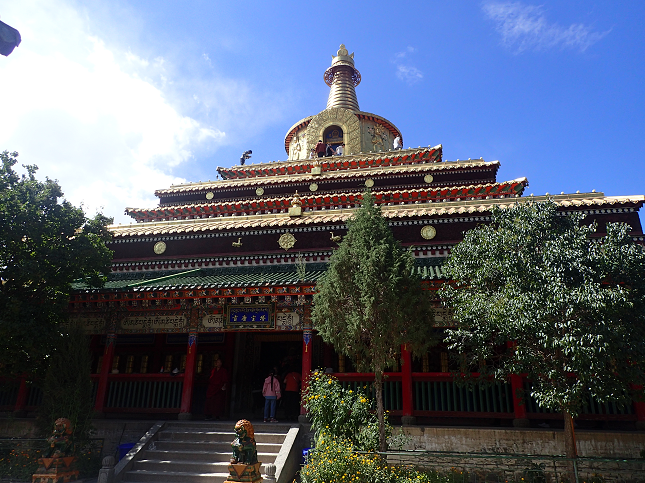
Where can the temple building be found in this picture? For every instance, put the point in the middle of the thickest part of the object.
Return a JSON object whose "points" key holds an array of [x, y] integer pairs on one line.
{"points": [[227, 270]]}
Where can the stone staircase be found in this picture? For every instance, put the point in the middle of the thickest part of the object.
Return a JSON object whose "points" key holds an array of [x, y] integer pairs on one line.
{"points": [[200, 451]]}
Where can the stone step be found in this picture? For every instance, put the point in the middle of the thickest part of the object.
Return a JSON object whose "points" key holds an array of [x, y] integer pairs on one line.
{"points": [[198, 451], [173, 477], [193, 435], [211, 446], [181, 466], [201, 456], [226, 426]]}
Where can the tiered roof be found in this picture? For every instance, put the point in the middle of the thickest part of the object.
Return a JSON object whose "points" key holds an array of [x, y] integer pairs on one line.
{"points": [[226, 233], [403, 209], [335, 163]]}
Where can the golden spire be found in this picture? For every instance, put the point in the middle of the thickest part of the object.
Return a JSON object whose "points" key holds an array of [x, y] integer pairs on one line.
{"points": [[342, 77]]}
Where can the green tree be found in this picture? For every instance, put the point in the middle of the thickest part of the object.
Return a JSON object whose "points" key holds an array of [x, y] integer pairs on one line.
{"points": [[370, 301], [67, 388], [538, 293], [45, 245]]}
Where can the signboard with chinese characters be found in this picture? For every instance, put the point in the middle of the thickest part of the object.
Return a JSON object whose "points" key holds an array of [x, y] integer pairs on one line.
{"points": [[287, 321], [248, 317], [153, 323]]}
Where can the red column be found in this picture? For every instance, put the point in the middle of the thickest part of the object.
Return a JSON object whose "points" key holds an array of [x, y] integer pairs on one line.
{"points": [[307, 343], [21, 400], [406, 381], [639, 409], [189, 376], [106, 367], [519, 408]]}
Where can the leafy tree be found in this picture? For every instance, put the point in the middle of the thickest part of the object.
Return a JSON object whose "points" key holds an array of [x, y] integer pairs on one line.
{"points": [[370, 301], [538, 294], [45, 244], [67, 388]]}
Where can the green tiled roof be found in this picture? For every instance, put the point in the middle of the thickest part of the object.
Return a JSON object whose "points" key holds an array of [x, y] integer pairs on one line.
{"points": [[229, 277]]}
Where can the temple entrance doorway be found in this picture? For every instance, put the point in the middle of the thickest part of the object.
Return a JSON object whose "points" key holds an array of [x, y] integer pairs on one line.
{"points": [[257, 354]]}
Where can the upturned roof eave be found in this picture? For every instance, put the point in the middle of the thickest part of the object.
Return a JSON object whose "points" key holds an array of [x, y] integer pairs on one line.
{"points": [[132, 211], [440, 208], [327, 175]]}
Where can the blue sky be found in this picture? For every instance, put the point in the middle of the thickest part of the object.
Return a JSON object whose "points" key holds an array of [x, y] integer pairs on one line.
{"points": [[118, 98]]}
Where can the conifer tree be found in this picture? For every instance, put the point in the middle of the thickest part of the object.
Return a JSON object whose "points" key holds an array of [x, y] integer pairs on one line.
{"points": [[370, 301]]}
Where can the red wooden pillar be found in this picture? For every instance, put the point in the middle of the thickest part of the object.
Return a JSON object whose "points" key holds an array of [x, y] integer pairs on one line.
{"points": [[106, 367], [307, 345], [189, 376], [406, 387], [519, 408], [19, 410], [517, 388], [639, 409]]}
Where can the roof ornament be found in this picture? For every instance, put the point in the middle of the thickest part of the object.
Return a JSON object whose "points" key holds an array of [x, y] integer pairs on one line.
{"points": [[316, 168], [296, 206], [245, 155]]}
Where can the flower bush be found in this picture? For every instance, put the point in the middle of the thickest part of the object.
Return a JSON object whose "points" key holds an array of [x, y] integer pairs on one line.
{"points": [[334, 461], [342, 413]]}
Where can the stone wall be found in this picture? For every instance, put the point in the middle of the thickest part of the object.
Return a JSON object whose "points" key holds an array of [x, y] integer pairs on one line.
{"points": [[604, 444]]}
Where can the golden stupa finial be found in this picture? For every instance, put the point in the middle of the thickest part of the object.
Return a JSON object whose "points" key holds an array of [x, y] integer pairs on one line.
{"points": [[342, 77]]}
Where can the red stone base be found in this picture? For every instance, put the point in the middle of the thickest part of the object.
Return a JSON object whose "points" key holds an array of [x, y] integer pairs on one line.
{"points": [[55, 470]]}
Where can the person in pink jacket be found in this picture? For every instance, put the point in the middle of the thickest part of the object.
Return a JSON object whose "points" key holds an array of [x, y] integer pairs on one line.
{"points": [[271, 393]]}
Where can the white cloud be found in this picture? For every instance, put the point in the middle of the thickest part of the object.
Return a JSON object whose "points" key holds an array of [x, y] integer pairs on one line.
{"points": [[404, 70], [525, 27], [89, 116], [408, 73]]}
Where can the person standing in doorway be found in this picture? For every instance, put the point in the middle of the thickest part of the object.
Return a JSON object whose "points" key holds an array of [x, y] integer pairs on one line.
{"points": [[216, 392], [292, 394], [271, 393]]}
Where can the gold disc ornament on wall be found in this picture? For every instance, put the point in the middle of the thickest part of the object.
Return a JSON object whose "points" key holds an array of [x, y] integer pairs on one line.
{"points": [[369, 182], [428, 178], [287, 241], [313, 187], [428, 232], [159, 248], [209, 195], [259, 191]]}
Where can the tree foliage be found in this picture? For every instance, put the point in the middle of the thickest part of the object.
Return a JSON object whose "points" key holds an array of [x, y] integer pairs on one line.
{"points": [[370, 300], [571, 304], [67, 388], [45, 245]]}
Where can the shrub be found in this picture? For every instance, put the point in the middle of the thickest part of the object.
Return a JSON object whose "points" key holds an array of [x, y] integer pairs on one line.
{"points": [[333, 461], [342, 413]]}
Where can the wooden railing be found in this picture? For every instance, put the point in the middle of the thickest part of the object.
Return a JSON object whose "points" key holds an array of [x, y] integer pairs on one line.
{"points": [[392, 398], [590, 410], [8, 394], [149, 393], [437, 394]]}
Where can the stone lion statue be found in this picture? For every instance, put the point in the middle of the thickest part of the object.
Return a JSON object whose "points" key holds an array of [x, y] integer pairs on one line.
{"points": [[60, 441], [244, 450]]}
